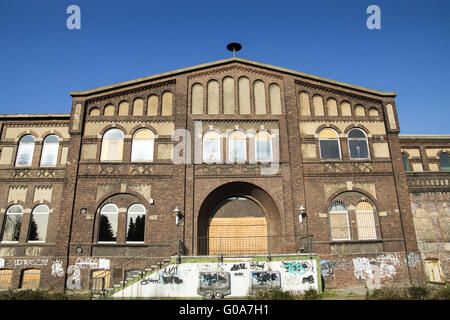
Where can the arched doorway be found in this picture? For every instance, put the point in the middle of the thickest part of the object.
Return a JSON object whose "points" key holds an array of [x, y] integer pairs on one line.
{"points": [[238, 218]]}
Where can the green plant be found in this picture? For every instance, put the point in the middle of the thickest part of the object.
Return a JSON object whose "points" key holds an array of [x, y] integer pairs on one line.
{"points": [[418, 292], [273, 294], [311, 294], [39, 295]]}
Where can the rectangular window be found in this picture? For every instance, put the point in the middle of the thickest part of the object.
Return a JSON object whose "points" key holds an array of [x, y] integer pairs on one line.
{"points": [[263, 151], [135, 227], [358, 149], [25, 154], [50, 154], [339, 226], [211, 150], [329, 149], [38, 227], [108, 227], [238, 150]]}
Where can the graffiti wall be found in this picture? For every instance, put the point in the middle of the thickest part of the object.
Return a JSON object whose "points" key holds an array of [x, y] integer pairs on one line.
{"points": [[370, 271], [236, 279]]}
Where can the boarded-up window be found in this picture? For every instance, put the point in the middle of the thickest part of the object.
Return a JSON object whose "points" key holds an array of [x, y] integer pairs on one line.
{"points": [[213, 97], [167, 104], [112, 145], [365, 220], [101, 279], [259, 92], [275, 99], [244, 95], [30, 279], [434, 271], [339, 221], [152, 105], [197, 99], [138, 107], [228, 95], [5, 278]]}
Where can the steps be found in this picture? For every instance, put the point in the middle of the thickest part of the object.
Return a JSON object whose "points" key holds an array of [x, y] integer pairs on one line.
{"points": [[97, 294]]}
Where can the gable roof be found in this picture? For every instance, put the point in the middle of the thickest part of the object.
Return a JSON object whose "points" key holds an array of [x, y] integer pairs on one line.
{"points": [[224, 62]]}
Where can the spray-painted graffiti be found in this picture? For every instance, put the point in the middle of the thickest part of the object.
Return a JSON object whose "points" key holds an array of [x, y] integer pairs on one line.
{"points": [[257, 265], [309, 279], [264, 277], [92, 263], [373, 270], [212, 279], [171, 280], [74, 280], [238, 266], [295, 267], [33, 262], [238, 274], [327, 267], [413, 260], [57, 268]]}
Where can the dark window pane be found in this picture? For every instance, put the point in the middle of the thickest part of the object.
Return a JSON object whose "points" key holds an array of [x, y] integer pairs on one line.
{"points": [[444, 159], [11, 228], [406, 162], [358, 149], [107, 227], [135, 227], [329, 149], [356, 133]]}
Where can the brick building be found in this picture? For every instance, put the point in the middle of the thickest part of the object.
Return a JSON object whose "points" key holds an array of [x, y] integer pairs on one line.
{"points": [[218, 159]]}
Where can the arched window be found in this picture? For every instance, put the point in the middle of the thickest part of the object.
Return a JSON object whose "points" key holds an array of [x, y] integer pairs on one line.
{"points": [[237, 147], [263, 146], [12, 223], [107, 226], [38, 224], [444, 161], [406, 162], [211, 146], [329, 144], [112, 145], [135, 223], [365, 221], [143, 146], [339, 221], [357, 144], [49, 155], [25, 151]]}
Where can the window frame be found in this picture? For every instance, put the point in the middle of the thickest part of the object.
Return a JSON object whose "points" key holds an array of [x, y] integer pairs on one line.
{"points": [[327, 139], [231, 147], [405, 160], [365, 139], [20, 150], [441, 161], [45, 145], [145, 222], [104, 139], [152, 144], [219, 145], [257, 159], [31, 219], [7, 213], [373, 212], [99, 223], [347, 213]]}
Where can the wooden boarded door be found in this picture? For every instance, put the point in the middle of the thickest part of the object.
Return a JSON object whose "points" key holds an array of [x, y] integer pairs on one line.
{"points": [[237, 226]]}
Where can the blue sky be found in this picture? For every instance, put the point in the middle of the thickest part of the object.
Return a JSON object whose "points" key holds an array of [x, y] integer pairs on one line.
{"points": [[41, 60]]}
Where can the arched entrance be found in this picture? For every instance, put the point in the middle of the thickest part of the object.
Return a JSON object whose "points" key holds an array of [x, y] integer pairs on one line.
{"points": [[238, 218]]}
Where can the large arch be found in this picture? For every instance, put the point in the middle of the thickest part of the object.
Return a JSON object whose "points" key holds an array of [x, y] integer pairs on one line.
{"points": [[244, 190]]}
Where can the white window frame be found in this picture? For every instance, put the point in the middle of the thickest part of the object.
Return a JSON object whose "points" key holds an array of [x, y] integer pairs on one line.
{"points": [[145, 222], [20, 150], [231, 147], [339, 146], [5, 218], [151, 146], [110, 213], [45, 146], [360, 139], [256, 148], [348, 221], [219, 145], [31, 217]]}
